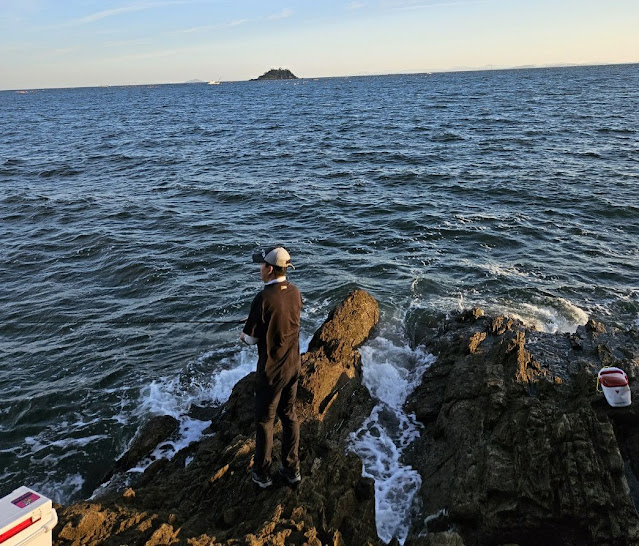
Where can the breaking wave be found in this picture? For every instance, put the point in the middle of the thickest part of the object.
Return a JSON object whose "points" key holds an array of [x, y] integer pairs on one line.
{"points": [[392, 370]]}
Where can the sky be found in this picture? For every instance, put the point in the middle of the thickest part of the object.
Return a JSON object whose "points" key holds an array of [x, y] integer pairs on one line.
{"points": [[71, 43]]}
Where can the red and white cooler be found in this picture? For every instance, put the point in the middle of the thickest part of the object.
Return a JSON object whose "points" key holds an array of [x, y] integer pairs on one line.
{"points": [[26, 519], [614, 384]]}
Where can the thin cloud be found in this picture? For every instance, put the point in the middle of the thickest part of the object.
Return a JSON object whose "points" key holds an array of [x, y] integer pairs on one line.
{"points": [[202, 28], [285, 13], [127, 43], [138, 6], [62, 51], [145, 56], [416, 4], [356, 5], [217, 26]]}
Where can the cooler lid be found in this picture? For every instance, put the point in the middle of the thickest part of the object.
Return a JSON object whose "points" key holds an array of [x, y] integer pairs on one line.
{"points": [[19, 504]]}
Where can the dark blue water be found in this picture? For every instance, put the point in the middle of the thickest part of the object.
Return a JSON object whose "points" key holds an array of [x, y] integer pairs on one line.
{"points": [[129, 215]]}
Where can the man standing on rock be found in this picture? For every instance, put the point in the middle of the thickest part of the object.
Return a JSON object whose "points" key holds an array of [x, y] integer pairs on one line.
{"points": [[274, 325]]}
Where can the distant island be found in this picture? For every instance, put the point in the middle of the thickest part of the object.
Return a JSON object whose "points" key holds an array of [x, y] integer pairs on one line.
{"points": [[277, 74]]}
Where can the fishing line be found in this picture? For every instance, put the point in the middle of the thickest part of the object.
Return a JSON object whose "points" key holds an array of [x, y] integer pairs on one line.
{"points": [[124, 322]]}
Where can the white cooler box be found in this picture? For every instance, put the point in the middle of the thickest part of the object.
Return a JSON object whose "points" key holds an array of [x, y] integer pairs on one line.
{"points": [[26, 519]]}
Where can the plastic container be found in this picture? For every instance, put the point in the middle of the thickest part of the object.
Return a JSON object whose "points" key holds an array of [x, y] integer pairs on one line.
{"points": [[614, 384], [26, 519]]}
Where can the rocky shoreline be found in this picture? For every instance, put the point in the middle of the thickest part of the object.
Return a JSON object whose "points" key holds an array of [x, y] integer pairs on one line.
{"points": [[517, 447], [212, 499]]}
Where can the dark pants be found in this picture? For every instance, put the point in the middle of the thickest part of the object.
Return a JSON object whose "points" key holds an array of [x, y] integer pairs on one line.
{"points": [[271, 400]]}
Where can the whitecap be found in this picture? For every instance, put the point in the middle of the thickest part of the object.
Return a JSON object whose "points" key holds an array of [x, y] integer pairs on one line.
{"points": [[547, 314], [506, 271], [391, 371], [175, 396], [556, 315], [59, 490]]}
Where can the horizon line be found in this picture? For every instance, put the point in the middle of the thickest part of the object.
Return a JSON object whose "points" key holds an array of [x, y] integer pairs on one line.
{"points": [[485, 68]]}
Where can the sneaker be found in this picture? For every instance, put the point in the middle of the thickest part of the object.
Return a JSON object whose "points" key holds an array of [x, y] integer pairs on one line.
{"points": [[290, 475], [263, 480]]}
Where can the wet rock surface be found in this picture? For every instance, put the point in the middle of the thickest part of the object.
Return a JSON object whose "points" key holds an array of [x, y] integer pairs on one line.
{"points": [[211, 500], [154, 432], [518, 447]]}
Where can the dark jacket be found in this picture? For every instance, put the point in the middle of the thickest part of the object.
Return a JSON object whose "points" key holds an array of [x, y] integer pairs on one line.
{"points": [[274, 320]]}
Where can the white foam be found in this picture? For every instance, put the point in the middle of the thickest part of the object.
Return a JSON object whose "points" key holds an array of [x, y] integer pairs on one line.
{"points": [[191, 430], [430, 517], [224, 381], [506, 271], [549, 314], [37, 445], [559, 316], [175, 396], [305, 340], [391, 371], [60, 491]]}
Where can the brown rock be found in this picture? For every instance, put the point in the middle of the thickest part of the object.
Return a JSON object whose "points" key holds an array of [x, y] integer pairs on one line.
{"points": [[347, 326], [164, 535], [213, 500], [475, 341], [594, 326], [470, 315], [514, 447]]}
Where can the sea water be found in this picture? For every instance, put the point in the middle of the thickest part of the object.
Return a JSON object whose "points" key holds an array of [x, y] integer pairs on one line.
{"points": [[129, 215]]}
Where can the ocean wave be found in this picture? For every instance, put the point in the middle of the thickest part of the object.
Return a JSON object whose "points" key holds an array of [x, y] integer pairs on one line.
{"points": [[60, 489], [60, 172], [556, 315], [65, 444], [616, 130], [162, 216], [391, 371], [545, 313], [175, 396], [447, 136], [590, 154], [508, 271], [13, 162]]}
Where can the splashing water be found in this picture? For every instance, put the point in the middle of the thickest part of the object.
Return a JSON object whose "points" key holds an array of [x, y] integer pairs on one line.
{"points": [[175, 396], [391, 370]]}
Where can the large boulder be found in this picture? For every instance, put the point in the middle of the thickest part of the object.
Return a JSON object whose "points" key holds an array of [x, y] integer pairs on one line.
{"points": [[205, 496], [518, 447]]}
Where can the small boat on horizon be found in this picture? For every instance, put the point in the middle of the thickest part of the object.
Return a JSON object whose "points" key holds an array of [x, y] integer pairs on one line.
{"points": [[214, 82]]}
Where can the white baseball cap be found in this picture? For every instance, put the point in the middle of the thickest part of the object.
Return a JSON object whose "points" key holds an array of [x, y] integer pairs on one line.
{"points": [[277, 256]]}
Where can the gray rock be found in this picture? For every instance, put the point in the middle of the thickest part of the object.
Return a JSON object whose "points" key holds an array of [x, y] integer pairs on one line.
{"points": [[154, 432], [517, 445]]}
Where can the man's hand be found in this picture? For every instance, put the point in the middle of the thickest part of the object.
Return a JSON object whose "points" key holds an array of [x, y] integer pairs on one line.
{"points": [[249, 340]]}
